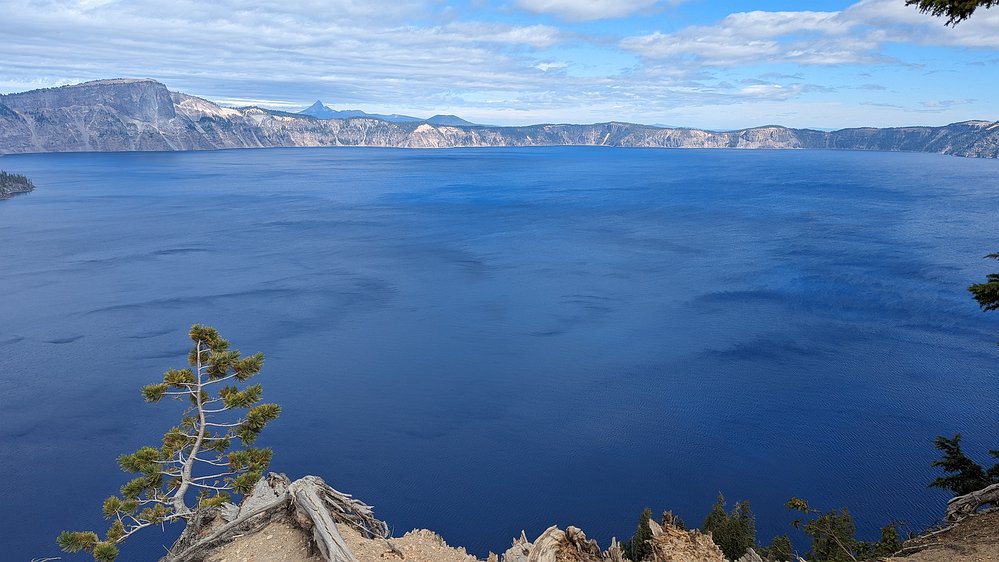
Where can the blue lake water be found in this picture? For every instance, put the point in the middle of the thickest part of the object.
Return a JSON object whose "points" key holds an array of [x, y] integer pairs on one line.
{"points": [[489, 340]]}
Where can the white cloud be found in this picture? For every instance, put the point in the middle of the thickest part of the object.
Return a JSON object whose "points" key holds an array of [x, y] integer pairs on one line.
{"points": [[810, 38], [537, 36], [340, 49], [770, 91], [855, 35], [898, 23], [551, 65], [584, 10]]}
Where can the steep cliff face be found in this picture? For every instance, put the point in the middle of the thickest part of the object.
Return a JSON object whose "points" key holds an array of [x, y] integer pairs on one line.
{"points": [[970, 138], [129, 115], [104, 115]]}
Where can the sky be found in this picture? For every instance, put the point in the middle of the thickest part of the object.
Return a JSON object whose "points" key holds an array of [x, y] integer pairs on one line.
{"points": [[715, 64]]}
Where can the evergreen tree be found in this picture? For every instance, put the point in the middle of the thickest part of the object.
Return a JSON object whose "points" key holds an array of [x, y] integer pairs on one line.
{"points": [[638, 547], [832, 533], [890, 542], [733, 532], [210, 451], [833, 536], [955, 10], [964, 475], [987, 293], [780, 550]]}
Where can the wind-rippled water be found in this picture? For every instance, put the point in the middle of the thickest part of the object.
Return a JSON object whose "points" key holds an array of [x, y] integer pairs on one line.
{"points": [[489, 340]]}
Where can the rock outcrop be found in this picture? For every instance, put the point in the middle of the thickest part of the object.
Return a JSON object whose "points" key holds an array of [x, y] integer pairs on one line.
{"points": [[668, 544], [556, 545], [141, 114], [672, 544]]}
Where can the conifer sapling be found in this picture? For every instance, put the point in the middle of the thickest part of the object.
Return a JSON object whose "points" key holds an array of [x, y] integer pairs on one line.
{"points": [[208, 455]]}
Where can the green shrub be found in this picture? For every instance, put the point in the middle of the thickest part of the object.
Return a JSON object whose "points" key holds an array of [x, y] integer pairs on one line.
{"points": [[733, 532]]}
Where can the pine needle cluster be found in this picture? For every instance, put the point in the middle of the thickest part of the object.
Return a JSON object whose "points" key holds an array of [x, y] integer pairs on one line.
{"points": [[955, 11]]}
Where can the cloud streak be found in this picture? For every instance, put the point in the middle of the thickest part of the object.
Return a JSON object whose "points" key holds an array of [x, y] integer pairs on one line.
{"points": [[584, 10], [855, 35]]}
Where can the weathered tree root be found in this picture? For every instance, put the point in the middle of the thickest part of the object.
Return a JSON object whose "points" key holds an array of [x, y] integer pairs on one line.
{"points": [[308, 503], [963, 506]]}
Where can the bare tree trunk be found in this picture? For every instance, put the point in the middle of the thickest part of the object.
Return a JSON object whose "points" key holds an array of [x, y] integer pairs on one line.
{"points": [[308, 503], [963, 506], [179, 506], [306, 496]]}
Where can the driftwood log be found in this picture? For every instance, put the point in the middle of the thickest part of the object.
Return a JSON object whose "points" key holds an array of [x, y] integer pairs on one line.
{"points": [[309, 503], [963, 506]]}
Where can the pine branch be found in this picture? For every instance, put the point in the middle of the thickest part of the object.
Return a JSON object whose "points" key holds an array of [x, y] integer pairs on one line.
{"points": [[225, 378], [209, 487], [226, 409], [215, 476], [143, 524], [213, 463]]}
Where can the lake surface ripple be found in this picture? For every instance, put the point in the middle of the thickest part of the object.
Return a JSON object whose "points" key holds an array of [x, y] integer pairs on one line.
{"points": [[489, 340]]}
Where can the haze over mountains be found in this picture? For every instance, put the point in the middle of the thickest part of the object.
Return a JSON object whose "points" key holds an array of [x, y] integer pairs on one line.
{"points": [[321, 111], [142, 114]]}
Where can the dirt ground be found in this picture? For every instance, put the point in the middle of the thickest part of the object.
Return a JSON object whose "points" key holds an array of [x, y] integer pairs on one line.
{"points": [[281, 542], [973, 540], [277, 542], [415, 546]]}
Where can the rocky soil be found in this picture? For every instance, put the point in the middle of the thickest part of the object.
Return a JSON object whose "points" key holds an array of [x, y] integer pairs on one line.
{"points": [[975, 539]]}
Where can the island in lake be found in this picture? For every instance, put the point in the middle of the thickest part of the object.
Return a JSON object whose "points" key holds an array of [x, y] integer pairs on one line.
{"points": [[14, 184]]}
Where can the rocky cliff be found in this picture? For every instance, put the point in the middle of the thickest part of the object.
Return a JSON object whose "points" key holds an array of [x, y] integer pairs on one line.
{"points": [[130, 114], [307, 521]]}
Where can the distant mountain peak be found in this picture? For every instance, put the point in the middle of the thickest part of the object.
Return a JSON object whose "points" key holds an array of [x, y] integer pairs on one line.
{"points": [[448, 120]]}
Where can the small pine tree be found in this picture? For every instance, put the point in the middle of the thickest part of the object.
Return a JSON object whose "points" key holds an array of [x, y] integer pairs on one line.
{"points": [[987, 293], [832, 533], [890, 542], [964, 475], [207, 451], [993, 473], [638, 548], [733, 532], [833, 536], [780, 550]]}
